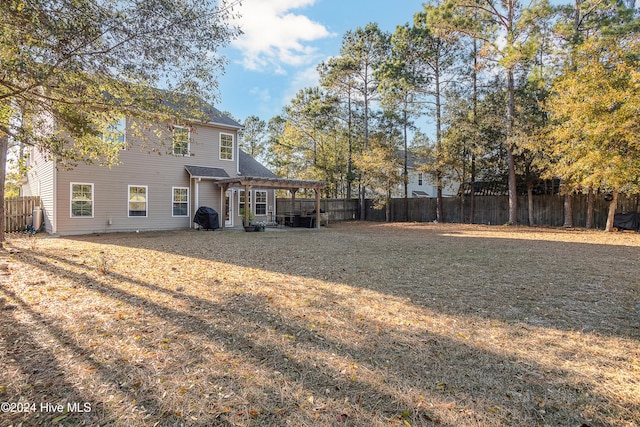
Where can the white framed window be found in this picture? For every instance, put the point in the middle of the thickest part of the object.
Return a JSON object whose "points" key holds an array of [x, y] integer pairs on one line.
{"points": [[138, 200], [81, 200], [115, 133], [260, 202], [420, 179], [241, 202], [226, 146], [181, 141], [180, 201]]}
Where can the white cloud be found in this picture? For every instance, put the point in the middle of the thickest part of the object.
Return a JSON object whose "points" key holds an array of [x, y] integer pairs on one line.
{"points": [[275, 37], [307, 77], [261, 94]]}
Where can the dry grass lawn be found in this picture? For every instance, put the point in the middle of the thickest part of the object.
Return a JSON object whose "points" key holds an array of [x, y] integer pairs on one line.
{"points": [[358, 324]]}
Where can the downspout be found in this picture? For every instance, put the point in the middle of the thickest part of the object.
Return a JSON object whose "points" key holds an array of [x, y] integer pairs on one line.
{"points": [[237, 153], [197, 192]]}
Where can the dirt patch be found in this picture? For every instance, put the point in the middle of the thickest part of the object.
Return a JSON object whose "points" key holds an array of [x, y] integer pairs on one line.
{"points": [[357, 324]]}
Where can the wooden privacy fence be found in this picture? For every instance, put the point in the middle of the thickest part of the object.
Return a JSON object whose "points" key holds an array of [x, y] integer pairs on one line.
{"points": [[18, 212], [547, 209]]}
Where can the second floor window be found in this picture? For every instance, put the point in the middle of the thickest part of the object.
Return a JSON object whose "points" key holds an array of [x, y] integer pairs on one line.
{"points": [[419, 179], [115, 132], [226, 146], [181, 138]]}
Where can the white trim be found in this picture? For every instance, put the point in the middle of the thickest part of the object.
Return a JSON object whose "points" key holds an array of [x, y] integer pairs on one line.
{"points": [[173, 200], [233, 146], [254, 201], [93, 198], [229, 206], [146, 193]]}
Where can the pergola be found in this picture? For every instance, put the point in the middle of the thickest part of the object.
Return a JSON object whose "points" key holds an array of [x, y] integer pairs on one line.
{"points": [[249, 182]]}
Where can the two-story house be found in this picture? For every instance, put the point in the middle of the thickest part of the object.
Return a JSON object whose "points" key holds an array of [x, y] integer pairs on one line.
{"points": [[421, 184], [158, 186]]}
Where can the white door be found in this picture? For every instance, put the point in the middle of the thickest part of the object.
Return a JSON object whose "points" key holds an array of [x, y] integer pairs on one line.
{"points": [[228, 215]]}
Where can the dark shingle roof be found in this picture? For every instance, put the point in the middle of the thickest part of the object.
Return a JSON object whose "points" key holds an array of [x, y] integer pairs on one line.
{"points": [[251, 167], [216, 116], [206, 172]]}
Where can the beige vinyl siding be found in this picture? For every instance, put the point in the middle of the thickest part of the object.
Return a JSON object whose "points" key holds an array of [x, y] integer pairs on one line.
{"points": [[144, 167], [41, 178]]}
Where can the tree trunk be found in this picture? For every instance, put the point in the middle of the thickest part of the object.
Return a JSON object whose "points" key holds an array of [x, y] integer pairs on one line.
{"points": [[4, 147], [511, 161], [439, 210], [439, 201], [350, 159], [568, 211], [363, 199], [405, 176], [472, 189], [590, 202], [612, 210], [472, 184], [532, 221]]}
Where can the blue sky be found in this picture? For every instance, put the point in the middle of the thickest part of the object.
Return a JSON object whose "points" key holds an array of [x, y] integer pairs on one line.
{"points": [[284, 40]]}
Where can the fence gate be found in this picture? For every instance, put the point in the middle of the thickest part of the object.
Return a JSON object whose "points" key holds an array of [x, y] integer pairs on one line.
{"points": [[18, 212]]}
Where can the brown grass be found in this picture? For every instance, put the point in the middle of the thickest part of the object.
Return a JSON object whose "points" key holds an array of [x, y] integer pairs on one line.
{"points": [[357, 324]]}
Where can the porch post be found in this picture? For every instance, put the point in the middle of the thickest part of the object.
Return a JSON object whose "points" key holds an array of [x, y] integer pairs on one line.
{"points": [[317, 208], [223, 189], [246, 205], [293, 204]]}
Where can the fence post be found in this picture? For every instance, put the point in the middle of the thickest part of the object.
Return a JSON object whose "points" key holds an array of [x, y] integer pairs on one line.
{"points": [[17, 211]]}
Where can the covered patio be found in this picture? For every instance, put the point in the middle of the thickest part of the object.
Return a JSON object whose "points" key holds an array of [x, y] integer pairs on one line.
{"points": [[248, 183]]}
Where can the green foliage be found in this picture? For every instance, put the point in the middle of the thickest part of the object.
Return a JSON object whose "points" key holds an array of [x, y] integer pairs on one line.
{"points": [[253, 138], [594, 111], [83, 64], [70, 68]]}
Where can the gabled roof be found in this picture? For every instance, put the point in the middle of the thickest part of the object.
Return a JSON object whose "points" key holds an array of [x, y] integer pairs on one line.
{"points": [[182, 103], [216, 117], [251, 167], [413, 160], [251, 173]]}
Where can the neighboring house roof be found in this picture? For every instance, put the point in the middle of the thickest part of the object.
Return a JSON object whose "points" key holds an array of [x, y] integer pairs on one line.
{"points": [[206, 172], [250, 167], [412, 159]]}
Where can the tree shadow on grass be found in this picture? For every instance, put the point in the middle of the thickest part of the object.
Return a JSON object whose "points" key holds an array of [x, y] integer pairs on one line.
{"points": [[43, 382], [569, 286], [388, 374]]}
